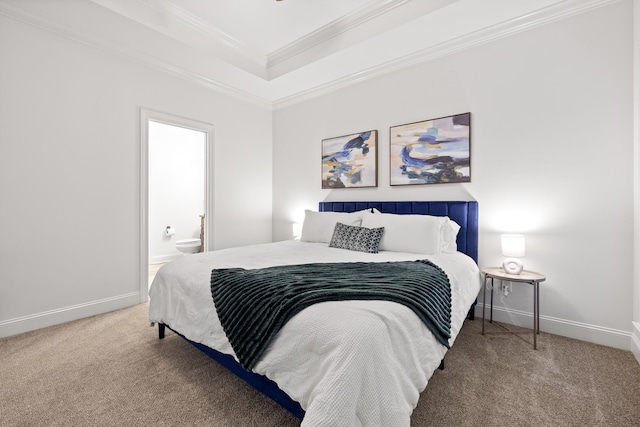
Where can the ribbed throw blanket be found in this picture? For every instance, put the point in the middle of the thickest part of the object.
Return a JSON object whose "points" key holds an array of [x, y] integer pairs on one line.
{"points": [[253, 305]]}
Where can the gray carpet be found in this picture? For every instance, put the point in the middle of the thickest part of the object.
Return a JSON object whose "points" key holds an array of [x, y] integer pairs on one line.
{"points": [[111, 370]]}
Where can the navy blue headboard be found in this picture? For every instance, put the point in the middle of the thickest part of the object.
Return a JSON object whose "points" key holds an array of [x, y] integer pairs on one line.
{"points": [[465, 214]]}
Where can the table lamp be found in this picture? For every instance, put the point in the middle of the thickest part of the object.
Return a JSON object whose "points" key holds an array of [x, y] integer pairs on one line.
{"points": [[297, 230], [512, 248]]}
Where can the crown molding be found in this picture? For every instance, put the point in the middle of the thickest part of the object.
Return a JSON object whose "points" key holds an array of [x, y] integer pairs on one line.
{"points": [[260, 64], [213, 34], [504, 29], [333, 29], [132, 55], [532, 20], [208, 83]]}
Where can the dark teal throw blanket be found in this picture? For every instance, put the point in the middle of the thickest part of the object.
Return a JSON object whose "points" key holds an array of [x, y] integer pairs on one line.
{"points": [[254, 304]]}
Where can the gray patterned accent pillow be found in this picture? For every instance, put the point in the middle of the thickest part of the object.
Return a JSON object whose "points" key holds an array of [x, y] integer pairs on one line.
{"points": [[355, 238]]}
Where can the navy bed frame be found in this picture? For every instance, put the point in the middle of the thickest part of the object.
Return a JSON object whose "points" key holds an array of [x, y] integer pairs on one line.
{"points": [[464, 214]]}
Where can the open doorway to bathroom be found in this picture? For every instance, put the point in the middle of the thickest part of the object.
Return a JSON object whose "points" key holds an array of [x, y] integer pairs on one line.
{"points": [[176, 188]]}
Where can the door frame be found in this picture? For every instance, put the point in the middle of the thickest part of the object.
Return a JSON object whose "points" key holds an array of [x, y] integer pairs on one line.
{"points": [[147, 115]]}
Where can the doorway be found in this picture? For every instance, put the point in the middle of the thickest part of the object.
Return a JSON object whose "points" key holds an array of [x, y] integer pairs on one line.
{"points": [[176, 189]]}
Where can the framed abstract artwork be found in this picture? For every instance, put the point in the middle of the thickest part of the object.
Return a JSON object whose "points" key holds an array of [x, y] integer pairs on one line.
{"points": [[350, 161], [433, 151]]}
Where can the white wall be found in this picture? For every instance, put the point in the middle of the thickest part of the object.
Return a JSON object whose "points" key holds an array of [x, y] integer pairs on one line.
{"points": [[552, 149], [70, 174], [176, 187]]}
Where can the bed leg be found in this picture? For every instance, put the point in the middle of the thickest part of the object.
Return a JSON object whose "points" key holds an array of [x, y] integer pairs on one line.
{"points": [[441, 367], [160, 330], [471, 315]]}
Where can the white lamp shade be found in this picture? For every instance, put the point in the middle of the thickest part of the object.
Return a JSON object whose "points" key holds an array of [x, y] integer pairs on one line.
{"points": [[512, 245]]}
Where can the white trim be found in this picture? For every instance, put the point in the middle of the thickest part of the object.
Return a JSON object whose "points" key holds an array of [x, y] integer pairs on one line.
{"points": [[128, 53], [203, 81], [541, 17], [144, 206], [215, 36], [332, 30], [212, 33], [174, 120], [168, 18], [468, 41], [158, 259], [635, 340], [35, 321], [563, 327]]}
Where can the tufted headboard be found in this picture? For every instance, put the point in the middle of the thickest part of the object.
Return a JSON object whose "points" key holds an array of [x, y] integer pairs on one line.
{"points": [[465, 214]]}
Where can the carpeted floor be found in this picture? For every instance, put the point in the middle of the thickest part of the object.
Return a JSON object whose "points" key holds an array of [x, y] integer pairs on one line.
{"points": [[111, 370]]}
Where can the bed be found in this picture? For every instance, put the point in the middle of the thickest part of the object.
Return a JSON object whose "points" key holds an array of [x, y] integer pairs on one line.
{"points": [[357, 362]]}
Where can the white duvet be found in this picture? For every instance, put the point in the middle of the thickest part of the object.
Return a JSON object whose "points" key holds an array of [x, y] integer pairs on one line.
{"points": [[348, 363]]}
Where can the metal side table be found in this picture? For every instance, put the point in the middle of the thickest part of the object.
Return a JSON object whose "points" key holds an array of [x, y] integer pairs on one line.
{"points": [[526, 276]]}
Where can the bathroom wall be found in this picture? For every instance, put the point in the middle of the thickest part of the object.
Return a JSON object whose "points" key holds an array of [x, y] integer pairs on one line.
{"points": [[176, 187]]}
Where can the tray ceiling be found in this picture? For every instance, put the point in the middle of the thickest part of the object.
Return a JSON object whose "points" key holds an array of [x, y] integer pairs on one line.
{"points": [[278, 52]]}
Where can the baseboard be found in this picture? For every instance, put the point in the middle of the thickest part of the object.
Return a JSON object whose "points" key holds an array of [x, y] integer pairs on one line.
{"points": [[566, 328], [163, 258], [65, 314], [635, 340]]}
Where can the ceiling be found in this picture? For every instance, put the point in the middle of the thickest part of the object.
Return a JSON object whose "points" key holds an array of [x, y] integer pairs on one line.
{"points": [[276, 53], [263, 37]]}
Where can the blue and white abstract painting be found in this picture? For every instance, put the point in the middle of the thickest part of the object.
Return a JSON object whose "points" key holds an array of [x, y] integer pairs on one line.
{"points": [[431, 152], [350, 160]]}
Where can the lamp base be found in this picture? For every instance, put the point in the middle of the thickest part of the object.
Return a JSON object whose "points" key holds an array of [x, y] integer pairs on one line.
{"points": [[512, 266]]}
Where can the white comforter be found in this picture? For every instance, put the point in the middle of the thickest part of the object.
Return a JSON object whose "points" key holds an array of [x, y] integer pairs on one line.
{"points": [[348, 363]]}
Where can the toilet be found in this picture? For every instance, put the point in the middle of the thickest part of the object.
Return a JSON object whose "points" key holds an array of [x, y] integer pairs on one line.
{"points": [[188, 246]]}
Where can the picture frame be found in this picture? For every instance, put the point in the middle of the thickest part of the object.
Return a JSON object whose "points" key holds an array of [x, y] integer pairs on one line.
{"points": [[433, 151], [350, 161]]}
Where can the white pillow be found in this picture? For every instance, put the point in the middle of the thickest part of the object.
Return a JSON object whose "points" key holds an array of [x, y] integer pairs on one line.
{"points": [[449, 230], [421, 234], [368, 211], [319, 226]]}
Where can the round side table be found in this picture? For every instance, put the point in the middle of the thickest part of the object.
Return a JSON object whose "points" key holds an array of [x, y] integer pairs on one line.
{"points": [[531, 277]]}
